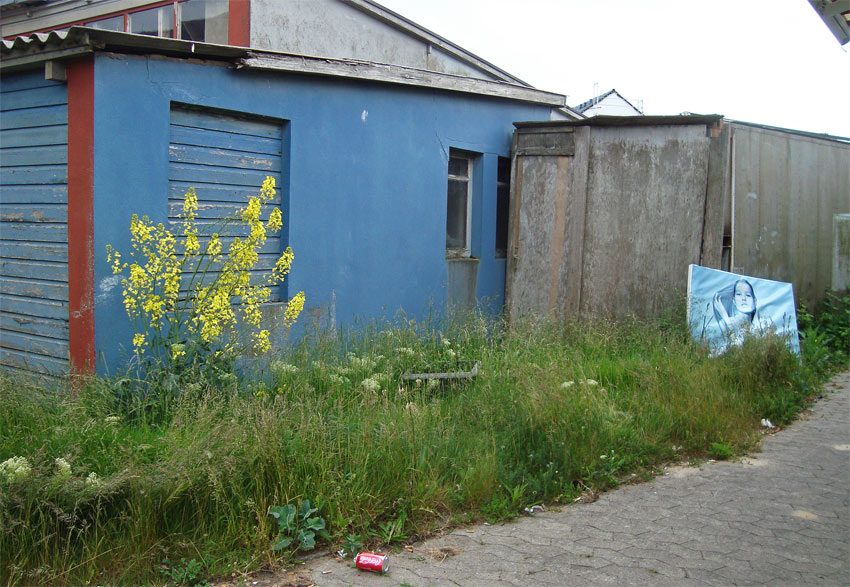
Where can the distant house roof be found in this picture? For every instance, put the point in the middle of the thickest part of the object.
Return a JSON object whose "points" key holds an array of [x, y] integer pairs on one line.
{"points": [[30, 51], [584, 106]]}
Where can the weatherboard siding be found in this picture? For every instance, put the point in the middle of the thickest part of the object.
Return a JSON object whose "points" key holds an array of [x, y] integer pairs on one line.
{"points": [[33, 224], [225, 158]]}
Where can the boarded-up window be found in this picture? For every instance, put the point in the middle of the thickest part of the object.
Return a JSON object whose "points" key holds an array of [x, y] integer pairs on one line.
{"points": [[225, 157], [33, 225]]}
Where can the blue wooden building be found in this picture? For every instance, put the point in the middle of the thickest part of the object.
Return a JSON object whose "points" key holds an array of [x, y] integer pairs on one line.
{"points": [[393, 180]]}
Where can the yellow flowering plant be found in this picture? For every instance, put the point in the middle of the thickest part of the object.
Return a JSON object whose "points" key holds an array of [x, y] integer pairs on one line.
{"points": [[186, 298]]}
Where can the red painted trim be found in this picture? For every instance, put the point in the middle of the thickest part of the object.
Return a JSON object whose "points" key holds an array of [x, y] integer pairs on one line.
{"points": [[239, 23], [81, 215]]}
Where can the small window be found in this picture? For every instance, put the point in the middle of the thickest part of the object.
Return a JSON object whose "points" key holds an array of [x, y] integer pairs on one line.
{"points": [[156, 22], [503, 200], [204, 20], [459, 201], [113, 23]]}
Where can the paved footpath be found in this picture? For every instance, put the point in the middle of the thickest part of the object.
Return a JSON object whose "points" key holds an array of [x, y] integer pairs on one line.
{"points": [[781, 517]]}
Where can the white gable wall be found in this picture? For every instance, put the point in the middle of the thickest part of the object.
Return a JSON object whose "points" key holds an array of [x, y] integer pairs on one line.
{"points": [[612, 105], [331, 28]]}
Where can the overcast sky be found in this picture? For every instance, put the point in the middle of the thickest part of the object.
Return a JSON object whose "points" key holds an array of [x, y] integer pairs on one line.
{"points": [[772, 62]]}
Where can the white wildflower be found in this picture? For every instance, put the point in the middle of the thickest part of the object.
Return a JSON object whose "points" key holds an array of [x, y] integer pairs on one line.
{"points": [[63, 468], [445, 341], [408, 352], [590, 382], [451, 354], [15, 469], [94, 480], [281, 368], [567, 384], [371, 384], [432, 384]]}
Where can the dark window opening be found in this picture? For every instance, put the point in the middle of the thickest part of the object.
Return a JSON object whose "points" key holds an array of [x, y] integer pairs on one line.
{"points": [[503, 200]]}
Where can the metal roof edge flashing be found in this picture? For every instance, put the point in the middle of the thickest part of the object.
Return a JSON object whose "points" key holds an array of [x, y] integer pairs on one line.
{"points": [[395, 74], [31, 49], [605, 120]]}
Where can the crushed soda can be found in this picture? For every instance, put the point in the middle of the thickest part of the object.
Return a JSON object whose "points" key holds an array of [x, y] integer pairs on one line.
{"points": [[371, 561]]}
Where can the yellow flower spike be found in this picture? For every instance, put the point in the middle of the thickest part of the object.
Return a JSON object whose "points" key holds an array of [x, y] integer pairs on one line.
{"points": [[275, 222]]}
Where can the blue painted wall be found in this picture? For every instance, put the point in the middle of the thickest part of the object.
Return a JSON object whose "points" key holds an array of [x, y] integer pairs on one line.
{"points": [[367, 179]]}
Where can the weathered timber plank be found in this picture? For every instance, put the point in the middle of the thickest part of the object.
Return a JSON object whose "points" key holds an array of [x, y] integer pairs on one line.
{"points": [[34, 307], [34, 325], [33, 213], [34, 175], [225, 123], [218, 193], [216, 157], [34, 98], [35, 251], [29, 269], [27, 362], [44, 135], [34, 194], [198, 174], [15, 83], [34, 288], [34, 117], [182, 135], [34, 232], [35, 155]]}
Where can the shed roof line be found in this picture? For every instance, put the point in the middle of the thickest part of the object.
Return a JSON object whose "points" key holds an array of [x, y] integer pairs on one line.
{"points": [[28, 51]]}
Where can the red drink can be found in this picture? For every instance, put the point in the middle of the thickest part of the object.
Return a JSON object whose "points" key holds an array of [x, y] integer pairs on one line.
{"points": [[371, 561]]}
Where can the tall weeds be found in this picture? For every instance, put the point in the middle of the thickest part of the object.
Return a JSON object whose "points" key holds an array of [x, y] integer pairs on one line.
{"points": [[554, 409]]}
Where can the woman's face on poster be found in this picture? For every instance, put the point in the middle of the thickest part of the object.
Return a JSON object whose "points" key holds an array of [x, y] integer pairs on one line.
{"points": [[744, 301]]}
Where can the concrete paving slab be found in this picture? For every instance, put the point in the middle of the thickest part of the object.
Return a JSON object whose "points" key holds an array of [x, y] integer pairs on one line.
{"points": [[780, 517]]}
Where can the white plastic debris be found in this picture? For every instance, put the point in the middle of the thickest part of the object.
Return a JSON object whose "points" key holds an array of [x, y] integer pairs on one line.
{"points": [[767, 423], [535, 508]]}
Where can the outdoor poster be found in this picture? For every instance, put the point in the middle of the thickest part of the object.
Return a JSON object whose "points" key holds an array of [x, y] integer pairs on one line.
{"points": [[725, 308]]}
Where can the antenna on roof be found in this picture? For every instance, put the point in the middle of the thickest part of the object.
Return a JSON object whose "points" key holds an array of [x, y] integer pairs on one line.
{"points": [[595, 93]]}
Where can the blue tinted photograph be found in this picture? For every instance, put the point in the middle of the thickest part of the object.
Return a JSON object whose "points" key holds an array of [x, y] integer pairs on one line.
{"points": [[725, 308]]}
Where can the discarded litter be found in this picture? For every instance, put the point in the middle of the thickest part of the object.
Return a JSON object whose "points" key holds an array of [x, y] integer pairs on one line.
{"points": [[535, 508], [767, 423], [372, 561]]}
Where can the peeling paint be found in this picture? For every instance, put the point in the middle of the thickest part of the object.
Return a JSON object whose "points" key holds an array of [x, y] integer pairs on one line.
{"points": [[753, 196], [364, 115], [107, 284]]}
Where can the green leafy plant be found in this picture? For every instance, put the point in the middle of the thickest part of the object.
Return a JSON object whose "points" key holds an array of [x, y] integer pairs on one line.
{"points": [[351, 545], [185, 572], [297, 525], [720, 451]]}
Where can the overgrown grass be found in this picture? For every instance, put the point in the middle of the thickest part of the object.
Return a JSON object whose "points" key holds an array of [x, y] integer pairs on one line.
{"points": [[555, 408]]}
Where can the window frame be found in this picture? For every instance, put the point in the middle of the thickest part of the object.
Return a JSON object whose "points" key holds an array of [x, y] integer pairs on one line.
{"points": [[466, 250]]}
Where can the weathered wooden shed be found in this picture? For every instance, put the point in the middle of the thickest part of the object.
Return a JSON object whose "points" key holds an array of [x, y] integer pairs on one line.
{"points": [[608, 212]]}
